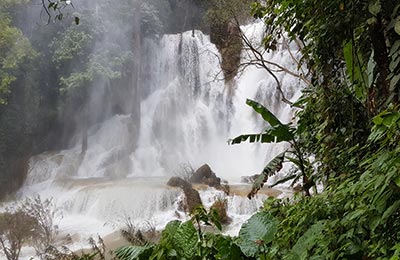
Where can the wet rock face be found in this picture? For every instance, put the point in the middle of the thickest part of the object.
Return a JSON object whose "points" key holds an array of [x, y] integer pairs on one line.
{"points": [[204, 175], [221, 207], [226, 36], [192, 196], [176, 182]]}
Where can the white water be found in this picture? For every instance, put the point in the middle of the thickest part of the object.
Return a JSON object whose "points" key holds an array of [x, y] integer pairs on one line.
{"points": [[187, 117]]}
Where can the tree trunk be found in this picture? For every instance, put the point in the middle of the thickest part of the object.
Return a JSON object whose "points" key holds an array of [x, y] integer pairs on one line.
{"points": [[381, 94]]}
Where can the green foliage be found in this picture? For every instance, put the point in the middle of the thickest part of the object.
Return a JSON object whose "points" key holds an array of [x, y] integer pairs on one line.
{"points": [[351, 73], [179, 241], [348, 222], [72, 44], [182, 240], [134, 252], [274, 166], [185, 240], [19, 98], [360, 78], [385, 129], [15, 49], [219, 13], [256, 234], [74, 48], [222, 19], [200, 215], [356, 217], [225, 248], [265, 113], [279, 132], [312, 237], [349, 124], [325, 27], [100, 65], [166, 244]]}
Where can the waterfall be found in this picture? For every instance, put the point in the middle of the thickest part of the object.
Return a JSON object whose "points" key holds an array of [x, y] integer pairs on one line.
{"points": [[186, 117]]}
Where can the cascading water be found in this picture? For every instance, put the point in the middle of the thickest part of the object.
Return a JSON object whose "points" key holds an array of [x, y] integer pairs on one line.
{"points": [[186, 117]]}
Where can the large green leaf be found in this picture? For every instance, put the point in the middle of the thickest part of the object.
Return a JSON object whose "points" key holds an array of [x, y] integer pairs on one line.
{"points": [[258, 231], [307, 241], [274, 166], [264, 112], [283, 180], [253, 138], [348, 57], [166, 245], [282, 133], [375, 8], [186, 240], [226, 249], [278, 132], [354, 69], [167, 235]]}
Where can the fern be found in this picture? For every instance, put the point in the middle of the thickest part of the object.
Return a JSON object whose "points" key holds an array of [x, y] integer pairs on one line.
{"points": [[167, 237], [186, 240]]}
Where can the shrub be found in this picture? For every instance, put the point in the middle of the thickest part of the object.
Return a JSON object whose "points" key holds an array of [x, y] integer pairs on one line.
{"points": [[16, 229]]}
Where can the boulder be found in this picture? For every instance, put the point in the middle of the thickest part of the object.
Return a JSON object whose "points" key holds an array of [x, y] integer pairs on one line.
{"points": [[221, 206], [176, 182], [192, 196], [204, 175]]}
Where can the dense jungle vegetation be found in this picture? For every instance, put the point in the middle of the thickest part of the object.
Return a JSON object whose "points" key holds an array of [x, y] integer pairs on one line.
{"points": [[346, 137]]}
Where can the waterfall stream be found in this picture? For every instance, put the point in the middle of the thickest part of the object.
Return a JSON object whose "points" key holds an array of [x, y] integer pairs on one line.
{"points": [[186, 117]]}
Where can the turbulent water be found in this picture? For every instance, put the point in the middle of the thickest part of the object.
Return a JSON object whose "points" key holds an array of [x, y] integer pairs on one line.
{"points": [[187, 117]]}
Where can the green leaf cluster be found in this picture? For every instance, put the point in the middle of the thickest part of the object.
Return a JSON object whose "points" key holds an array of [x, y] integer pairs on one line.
{"points": [[182, 240], [348, 124], [278, 132], [256, 234], [15, 49]]}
